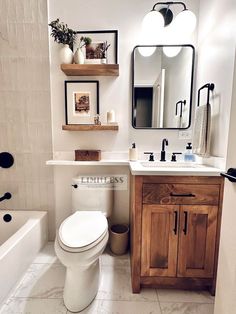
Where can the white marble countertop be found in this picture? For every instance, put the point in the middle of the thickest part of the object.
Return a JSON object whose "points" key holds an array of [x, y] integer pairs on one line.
{"points": [[147, 168], [181, 169], [103, 162]]}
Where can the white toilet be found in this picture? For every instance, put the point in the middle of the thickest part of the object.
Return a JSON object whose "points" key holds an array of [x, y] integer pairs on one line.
{"points": [[81, 239]]}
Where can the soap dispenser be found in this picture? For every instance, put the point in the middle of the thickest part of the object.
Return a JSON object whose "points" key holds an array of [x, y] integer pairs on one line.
{"points": [[188, 155], [133, 153]]}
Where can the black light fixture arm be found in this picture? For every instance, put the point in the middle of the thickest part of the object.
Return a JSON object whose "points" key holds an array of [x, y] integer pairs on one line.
{"points": [[168, 4]]}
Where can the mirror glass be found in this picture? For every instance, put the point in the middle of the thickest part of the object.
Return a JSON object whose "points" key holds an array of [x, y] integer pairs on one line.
{"points": [[162, 86]]}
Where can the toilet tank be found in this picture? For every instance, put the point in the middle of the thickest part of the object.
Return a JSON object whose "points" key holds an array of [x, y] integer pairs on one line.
{"points": [[93, 193]]}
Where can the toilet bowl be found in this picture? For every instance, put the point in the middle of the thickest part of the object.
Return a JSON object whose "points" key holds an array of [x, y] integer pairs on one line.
{"points": [[80, 240]]}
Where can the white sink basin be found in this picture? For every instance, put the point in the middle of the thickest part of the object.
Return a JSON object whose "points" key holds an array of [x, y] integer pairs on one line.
{"points": [[164, 164]]}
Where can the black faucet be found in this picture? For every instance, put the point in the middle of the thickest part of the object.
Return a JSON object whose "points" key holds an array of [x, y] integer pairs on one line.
{"points": [[163, 153]]}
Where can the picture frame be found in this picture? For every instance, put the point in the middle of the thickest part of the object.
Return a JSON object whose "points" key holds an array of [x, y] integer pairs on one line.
{"points": [[81, 101], [91, 53]]}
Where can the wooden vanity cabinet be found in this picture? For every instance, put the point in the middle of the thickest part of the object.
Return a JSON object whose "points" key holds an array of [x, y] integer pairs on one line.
{"points": [[175, 225]]}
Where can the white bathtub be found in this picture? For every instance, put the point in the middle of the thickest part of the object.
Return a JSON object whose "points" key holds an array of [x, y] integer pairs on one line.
{"points": [[20, 241]]}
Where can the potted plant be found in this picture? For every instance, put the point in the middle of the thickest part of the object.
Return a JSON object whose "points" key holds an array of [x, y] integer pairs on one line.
{"points": [[62, 34], [79, 56], [104, 49]]}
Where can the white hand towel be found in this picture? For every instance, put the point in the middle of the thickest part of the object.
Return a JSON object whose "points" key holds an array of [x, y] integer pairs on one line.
{"points": [[201, 131]]}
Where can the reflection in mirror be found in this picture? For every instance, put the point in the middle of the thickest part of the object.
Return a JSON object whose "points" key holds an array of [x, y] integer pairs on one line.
{"points": [[162, 86]]}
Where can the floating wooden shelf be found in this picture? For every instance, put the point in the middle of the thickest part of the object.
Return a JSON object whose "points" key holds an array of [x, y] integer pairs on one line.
{"points": [[90, 69], [90, 127]]}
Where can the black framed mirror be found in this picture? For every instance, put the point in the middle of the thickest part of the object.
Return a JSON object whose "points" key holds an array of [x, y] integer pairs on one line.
{"points": [[162, 86]]}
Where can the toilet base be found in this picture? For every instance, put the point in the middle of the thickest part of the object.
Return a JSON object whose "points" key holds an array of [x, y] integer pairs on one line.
{"points": [[81, 286]]}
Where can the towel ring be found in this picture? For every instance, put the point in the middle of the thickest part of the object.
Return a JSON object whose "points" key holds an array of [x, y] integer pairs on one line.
{"points": [[210, 87]]}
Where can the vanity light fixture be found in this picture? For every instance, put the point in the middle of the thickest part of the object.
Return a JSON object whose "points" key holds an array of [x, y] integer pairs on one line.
{"points": [[155, 21]]}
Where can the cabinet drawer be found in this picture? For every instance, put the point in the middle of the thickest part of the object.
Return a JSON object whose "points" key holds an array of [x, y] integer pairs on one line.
{"points": [[180, 194]]}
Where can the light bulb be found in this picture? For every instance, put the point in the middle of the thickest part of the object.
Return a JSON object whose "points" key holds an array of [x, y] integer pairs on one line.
{"points": [[146, 51], [153, 22], [171, 52], [146, 39], [185, 22]]}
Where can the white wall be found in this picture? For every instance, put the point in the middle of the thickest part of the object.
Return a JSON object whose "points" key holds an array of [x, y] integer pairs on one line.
{"points": [[115, 93], [216, 64], [216, 48], [226, 282], [25, 114]]}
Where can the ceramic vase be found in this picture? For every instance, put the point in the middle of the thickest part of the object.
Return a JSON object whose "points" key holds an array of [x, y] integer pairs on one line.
{"points": [[104, 60], [66, 55], [79, 56]]}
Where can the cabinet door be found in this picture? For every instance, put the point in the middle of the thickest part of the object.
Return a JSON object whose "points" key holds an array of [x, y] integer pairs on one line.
{"points": [[197, 236], [159, 240]]}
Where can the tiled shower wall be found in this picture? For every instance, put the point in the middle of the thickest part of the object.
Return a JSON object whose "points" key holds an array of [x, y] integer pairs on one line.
{"points": [[25, 113]]}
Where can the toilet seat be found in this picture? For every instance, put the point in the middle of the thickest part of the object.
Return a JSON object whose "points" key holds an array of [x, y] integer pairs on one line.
{"points": [[82, 231]]}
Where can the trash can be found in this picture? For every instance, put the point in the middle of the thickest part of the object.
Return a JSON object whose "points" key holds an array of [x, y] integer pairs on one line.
{"points": [[119, 238]]}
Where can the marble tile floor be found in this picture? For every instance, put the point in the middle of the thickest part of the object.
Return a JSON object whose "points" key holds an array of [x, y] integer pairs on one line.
{"points": [[40, 291]]}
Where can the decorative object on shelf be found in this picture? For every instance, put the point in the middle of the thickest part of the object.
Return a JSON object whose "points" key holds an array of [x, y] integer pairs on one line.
{"points": [[97, 50], [96, 120], [81, 101], [87, 155], [62, 34], [111, 118], [104, 49], [79, 57], [66, 55]]}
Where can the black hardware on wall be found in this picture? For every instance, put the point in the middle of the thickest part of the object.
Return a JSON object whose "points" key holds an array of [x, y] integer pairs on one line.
{"points": [[6, 160], [230, 174], [210, 87], [6, 196], [181, 103]]}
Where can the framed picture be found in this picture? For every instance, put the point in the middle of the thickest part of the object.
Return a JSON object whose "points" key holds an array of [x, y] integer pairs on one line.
{"points": [[93, 51], [81, 101]]}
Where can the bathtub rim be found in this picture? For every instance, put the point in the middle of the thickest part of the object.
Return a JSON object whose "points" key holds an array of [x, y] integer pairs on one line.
{"points": [[23, 230]]}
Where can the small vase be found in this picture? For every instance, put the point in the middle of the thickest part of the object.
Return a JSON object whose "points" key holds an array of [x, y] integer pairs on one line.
{"points": [[104, 60], [66, 55], [79, 56]]}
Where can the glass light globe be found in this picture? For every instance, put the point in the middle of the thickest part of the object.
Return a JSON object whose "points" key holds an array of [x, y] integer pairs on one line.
{"points": [[152, 22], [171, 52], [185, 22], [146, 39], [146, 51]]}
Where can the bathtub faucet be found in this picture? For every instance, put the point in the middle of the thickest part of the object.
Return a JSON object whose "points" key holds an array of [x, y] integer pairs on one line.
{"points": [[6, 196]]}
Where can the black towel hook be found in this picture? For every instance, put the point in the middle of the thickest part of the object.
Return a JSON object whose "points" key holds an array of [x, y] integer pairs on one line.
{"points": [[210, 87]]}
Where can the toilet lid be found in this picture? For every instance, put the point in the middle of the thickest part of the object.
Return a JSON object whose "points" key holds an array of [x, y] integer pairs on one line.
{"points": [[82, 229]]}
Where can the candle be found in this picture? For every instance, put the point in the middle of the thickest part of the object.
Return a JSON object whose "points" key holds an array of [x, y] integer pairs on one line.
{"points": [[111, 116]]}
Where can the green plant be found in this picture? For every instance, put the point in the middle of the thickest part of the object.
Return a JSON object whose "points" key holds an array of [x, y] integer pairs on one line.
{"points": [[61, 33], [85, 41]]}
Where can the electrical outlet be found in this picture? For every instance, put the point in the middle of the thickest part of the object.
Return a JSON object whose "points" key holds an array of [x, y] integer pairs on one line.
{"points": [[185, 135]]}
